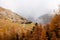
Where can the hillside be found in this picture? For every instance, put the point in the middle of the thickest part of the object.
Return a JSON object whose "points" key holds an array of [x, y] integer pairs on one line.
{"points": [[15, 27], [46, 18], [11, 23], [9, 15]]}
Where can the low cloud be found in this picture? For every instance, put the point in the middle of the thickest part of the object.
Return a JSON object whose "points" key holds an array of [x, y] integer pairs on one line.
{"points": [[34, 8]]}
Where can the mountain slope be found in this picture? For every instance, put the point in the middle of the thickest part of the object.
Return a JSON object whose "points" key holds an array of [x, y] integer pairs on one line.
{"points": [[9, 18], [9, 15], [46, 18]]}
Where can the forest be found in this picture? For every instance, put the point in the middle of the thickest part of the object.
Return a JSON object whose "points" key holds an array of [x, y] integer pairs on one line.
{"points": [[14, 31]]}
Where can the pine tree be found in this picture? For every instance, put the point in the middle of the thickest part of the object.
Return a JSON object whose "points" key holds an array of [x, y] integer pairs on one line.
{"points": [[55, 24]]}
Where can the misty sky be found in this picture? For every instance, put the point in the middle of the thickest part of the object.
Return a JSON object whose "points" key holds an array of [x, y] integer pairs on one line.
{"points": [[34, 8]]}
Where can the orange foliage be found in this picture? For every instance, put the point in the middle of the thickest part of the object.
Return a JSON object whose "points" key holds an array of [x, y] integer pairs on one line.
{"points": [[14, 31]]}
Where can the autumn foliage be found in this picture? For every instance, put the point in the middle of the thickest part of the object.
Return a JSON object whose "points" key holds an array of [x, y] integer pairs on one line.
{"points": [[30, 31], [50, 31]]}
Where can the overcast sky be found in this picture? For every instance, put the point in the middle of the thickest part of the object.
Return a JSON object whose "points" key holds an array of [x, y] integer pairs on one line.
{"points": [[34, 8]]}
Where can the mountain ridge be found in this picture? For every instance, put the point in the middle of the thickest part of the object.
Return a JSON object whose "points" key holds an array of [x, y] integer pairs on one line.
{"points": [[9, 15]]}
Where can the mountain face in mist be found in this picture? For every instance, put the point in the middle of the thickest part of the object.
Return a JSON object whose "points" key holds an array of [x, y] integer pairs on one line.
{"points": [[46, 18], [9, 15], [31, 19]]}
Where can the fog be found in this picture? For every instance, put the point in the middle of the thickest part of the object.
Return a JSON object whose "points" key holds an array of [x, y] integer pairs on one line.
{"points": [[33, 8]]}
